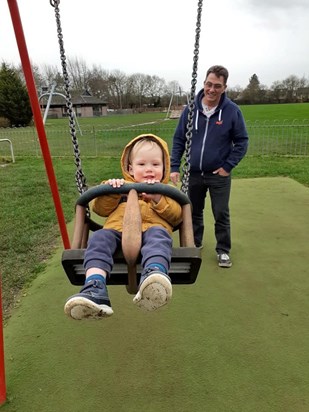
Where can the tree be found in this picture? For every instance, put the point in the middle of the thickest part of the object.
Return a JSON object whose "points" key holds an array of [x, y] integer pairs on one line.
{"points": [[156, 90], [291, 84], [14, 99], [98, 82], [116, 85], [251, 94], [234, 92], [79, 74]]}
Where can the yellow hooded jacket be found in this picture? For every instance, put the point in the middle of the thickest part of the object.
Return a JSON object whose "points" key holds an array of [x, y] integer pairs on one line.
{"points": [[166, 213]]}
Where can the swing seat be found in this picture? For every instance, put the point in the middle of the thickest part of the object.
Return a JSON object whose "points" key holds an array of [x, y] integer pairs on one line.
{"points": [[186, 259], [184, 267]]}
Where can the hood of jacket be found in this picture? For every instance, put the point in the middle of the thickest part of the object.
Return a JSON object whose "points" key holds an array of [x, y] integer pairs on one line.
{"points": [[127, 150]]}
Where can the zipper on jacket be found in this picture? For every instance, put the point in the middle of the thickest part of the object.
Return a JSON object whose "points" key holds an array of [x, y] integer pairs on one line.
{"points": [[203, 144]]}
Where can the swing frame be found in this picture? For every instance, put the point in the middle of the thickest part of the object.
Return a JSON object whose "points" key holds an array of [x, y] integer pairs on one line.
{"points": [[186, 260]]}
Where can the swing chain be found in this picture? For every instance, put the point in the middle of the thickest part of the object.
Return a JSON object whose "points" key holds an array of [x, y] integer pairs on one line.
{"points": [[79, 175], [186, 165]]}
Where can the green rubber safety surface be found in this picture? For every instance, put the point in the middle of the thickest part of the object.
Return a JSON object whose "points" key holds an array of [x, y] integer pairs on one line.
{"points": [[236, 340]]}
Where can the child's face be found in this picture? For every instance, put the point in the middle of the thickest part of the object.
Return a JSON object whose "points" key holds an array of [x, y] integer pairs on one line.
{"points": [[147, 163]]}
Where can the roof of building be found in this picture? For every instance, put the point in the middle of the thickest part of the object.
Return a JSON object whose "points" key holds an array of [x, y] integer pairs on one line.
{"points": [[85, 99]]}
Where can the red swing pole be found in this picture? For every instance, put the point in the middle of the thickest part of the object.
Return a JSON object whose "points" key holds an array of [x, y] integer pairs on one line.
{"points": [[25, 61], [2, 365]]}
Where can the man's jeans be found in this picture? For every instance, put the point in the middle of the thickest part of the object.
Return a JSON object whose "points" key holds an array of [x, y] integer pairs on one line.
{"points": [[219, 188]]}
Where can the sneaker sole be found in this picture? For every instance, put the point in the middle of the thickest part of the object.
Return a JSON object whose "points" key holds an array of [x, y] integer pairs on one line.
{"points": [[155, 291], [82, 308], [225, 265]]}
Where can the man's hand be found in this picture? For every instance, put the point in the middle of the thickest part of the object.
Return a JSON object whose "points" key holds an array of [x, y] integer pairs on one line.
{"points": [[175, 177], [220, 172]]}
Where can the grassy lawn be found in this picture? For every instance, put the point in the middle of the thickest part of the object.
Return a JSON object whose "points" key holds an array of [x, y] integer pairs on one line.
{"points": [[251, 113], [271, 112]]}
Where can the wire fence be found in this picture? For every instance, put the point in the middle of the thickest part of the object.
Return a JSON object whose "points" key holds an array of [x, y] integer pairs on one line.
{"points": [[276, 138]]}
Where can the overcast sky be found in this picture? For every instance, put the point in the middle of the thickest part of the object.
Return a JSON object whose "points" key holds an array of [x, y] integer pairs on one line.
{"points": [[266, 37]]}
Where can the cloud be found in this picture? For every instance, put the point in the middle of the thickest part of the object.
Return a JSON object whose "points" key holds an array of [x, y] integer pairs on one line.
{"points": [[283, 15], [277, 4]]}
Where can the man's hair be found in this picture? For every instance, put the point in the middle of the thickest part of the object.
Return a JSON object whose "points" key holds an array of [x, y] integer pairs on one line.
{"points": [[218, 71]]}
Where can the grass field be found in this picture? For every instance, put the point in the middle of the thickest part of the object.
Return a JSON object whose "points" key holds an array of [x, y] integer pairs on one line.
{"points": [[263, 112], [276, 112], [273, 130]]}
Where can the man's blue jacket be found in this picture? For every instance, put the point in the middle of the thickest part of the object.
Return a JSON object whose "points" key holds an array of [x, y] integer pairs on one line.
{"points": [[218, 141]]}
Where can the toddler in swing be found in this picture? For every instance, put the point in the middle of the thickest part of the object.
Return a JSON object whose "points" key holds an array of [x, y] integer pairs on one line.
{"points": [[144, 160]]}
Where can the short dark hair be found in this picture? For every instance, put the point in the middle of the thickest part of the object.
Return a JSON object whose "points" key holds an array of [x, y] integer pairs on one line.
{"points": [[218, 71]]}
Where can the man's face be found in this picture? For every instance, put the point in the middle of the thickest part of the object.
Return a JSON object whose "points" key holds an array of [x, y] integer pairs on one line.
{"points": [[213, 88]]}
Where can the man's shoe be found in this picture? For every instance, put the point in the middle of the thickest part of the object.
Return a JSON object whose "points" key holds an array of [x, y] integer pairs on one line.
{"points": [[224, 260], [155, 290], [92, 302]]}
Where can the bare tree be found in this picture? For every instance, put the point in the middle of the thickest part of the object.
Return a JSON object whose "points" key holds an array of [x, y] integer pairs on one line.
{"points": [[116, 85], [139, 90], [98, 82], [290, 85], [51, 75], [79, 74], [234, 92], [156, 90], [141, 84]]}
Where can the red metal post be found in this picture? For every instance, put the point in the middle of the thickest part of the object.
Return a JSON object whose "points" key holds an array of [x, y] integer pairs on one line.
{"points": [[25, 61], [2, 366]]}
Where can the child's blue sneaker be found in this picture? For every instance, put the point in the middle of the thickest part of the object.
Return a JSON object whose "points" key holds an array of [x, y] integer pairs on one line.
{"points": [[92, 302], [155, 289]]}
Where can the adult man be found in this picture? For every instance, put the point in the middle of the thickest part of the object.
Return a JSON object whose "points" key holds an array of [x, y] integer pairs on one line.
{"points": [[219, 142]]}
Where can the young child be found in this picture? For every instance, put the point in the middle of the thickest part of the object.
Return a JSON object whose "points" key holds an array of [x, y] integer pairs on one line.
{"points": [[145, 159]]}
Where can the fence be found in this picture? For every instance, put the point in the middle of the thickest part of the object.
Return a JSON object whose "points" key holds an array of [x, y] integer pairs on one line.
{"points": [[277, 138], [283, 138]]}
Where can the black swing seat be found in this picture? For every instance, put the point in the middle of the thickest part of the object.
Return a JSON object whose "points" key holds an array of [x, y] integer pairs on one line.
{"points": [[186, 259], [184, 266]]}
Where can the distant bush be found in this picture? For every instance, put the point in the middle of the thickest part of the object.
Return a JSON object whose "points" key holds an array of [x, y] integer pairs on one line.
{"points": [[4, 122]]}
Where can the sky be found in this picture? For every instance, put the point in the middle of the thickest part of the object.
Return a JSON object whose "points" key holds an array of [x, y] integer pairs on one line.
{"points": [[269, 38]]}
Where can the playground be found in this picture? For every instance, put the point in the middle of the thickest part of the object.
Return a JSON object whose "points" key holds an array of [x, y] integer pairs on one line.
{"points": [[236, 340]]}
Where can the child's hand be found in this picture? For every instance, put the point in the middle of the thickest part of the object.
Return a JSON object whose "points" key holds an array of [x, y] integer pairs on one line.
{"points": [[115, 182], [148, 197]]}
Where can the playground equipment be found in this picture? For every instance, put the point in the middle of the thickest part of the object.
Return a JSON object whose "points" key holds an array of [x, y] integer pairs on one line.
{"points": [[187, 232], [186, 260], [11, 147], [50, 95]]}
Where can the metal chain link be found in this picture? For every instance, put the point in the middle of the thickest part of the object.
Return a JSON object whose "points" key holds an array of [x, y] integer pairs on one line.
{"points": [[186, 165], [79, 175]]}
